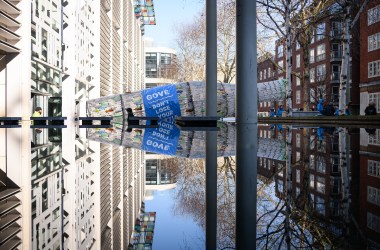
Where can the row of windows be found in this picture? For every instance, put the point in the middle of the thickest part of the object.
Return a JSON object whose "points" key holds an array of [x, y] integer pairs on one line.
{"points": [[264, 75], [319, 34]]}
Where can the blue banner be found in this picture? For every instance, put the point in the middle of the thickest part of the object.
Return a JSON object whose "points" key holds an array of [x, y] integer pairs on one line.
{"points": [[162, 102], [161, 140]]}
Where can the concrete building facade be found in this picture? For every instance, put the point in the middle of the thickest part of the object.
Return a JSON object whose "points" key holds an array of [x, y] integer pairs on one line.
{"points": [[56, 55]]}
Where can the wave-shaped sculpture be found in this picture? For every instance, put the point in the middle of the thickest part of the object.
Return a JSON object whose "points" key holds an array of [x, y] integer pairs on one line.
{"points": [[180, 99]]}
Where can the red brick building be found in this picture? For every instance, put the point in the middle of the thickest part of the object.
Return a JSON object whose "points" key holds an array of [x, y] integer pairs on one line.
{"points": [[325, 59], [370, 55], [266, 69]]}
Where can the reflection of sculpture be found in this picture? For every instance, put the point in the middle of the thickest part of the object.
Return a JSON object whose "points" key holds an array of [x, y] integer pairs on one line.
{"points": [[167, 139]]}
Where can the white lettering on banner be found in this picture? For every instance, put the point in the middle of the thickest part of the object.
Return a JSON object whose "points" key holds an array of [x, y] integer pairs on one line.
{"points": [[166, 125], [165, 131], [158, 94], [158, 145], [160, 104], [170, 113], [161, 136]]}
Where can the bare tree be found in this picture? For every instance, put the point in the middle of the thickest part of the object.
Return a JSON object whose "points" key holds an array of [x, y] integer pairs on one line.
{"points": [[191, 43], [294, 21]]}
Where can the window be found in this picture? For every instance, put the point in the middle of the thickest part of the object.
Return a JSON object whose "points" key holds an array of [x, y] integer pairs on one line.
{"points": [[280, 51], [298, 61], [298, 81], [298, 97], [374, 69], [269, 73], [375, 98], [320, 185], [374, 42], [298, 140], [373, 195], [374, 168], [336, 28], [321, 30], [311, 183], [373, 222], [280, 66], [312, 36], [321, 164], [321, 53], [312, 161], [280, 186], [298, 45], [298, 176], [374, 15], [298, 156], [312, 75], [320, 205], [311, 55], [265, 74], [374, 139], [321, 72], [261, 75], [166, 58]]}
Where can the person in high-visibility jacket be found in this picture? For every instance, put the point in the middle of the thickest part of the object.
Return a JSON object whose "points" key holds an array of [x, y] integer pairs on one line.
{"points": [[37, 113]]}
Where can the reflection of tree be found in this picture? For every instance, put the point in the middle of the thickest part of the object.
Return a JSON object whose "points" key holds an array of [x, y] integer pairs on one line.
{"points": [[286, 218]]}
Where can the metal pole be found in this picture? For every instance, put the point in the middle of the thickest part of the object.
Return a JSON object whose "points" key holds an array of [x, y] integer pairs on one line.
{"points": [[246, 117], [211, 155], [62, 243]]}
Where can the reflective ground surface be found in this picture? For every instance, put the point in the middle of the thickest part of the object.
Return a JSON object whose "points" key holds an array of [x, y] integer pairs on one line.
{"points": [[318, 188]]}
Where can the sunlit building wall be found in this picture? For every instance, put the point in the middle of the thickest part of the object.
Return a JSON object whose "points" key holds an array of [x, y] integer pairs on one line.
{"points": [[14, 102]]}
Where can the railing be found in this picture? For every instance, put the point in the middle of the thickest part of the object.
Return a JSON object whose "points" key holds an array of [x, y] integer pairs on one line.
{"points": [[320, 57], [336, 55], [335, 76], [336, 33]]}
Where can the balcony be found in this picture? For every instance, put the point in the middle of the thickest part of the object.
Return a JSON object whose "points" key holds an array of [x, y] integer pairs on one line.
{"points": [[336, 34], [9, 21], [9, 8], [336, 56]]}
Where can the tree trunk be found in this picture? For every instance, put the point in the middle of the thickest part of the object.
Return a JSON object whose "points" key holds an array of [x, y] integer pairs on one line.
{"points": [[288, 175], [288, 58], [344, 79]]}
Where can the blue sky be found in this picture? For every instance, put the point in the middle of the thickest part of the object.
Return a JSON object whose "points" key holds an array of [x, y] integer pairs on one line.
{"points": [[168, 14], [173, 231]]}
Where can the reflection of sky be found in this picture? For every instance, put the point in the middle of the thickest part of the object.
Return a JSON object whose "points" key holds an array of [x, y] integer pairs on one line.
{"points": [[173, 231]]}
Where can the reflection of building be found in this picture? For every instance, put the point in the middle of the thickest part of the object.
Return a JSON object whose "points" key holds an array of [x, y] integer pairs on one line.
{"points": [[100, 52], [271, 159], [160, 66], [369, 186], [157, 172]]}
